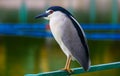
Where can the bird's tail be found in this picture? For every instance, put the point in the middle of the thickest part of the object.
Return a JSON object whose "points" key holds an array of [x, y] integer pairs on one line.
{"points": [[84, 61], [85, 64]]}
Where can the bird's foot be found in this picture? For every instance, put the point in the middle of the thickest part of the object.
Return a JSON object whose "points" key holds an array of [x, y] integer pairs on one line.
{"points": [[68, 70]]}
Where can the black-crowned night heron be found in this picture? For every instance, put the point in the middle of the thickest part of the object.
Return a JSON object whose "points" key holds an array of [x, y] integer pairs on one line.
{"points": [[69, 35]]}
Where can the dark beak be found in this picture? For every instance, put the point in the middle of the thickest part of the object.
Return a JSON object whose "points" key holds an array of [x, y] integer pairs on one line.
{"points": [[42, 15]]}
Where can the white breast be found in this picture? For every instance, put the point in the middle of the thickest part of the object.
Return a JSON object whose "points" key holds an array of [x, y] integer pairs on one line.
{"points": [[57, 22], [58, 25]]}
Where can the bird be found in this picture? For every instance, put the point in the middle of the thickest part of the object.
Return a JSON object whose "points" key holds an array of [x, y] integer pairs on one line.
{"points": [[70, 36]]}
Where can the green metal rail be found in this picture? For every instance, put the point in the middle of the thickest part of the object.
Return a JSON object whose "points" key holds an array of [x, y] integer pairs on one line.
{"points": [[93, 68]]}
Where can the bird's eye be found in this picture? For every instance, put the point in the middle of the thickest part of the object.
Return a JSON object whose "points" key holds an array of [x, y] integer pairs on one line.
{"points": [[51, 11]]}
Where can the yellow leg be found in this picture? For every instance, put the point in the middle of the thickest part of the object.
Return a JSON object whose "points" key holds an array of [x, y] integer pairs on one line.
{"points": [[67, 66]]}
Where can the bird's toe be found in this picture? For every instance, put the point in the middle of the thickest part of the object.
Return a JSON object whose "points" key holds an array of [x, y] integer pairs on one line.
{"points": [[68, 70]]}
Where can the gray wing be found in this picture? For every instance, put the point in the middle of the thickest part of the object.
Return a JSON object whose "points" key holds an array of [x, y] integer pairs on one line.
{"points": [[75, 41]]}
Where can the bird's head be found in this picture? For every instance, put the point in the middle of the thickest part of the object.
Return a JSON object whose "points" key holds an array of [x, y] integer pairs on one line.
{"points": [[53, 11]]}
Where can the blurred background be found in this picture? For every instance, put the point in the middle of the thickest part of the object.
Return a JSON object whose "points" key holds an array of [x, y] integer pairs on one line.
{"points": [[21, 55]]}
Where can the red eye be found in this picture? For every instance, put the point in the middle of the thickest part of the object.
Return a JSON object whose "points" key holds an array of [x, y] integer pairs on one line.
{"points": [[51, 11]]}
